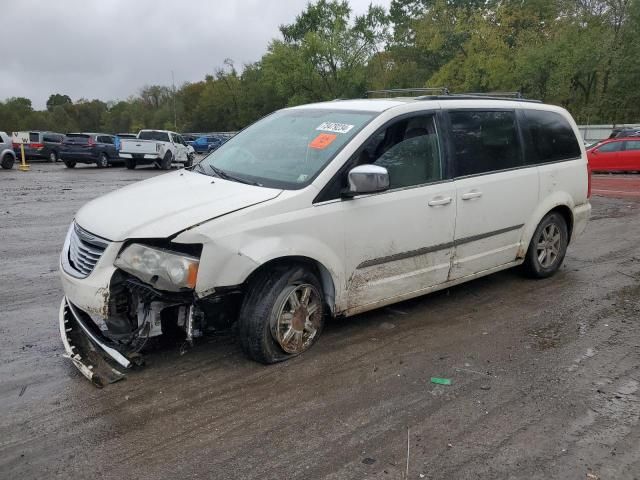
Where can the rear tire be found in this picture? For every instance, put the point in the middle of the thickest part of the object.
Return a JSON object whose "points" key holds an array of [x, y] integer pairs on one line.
{"points": [[130, 163], [53, 156], [548, 247], [166, 161], [69, 163], [271, 327], [7, 161], [103, 161]]}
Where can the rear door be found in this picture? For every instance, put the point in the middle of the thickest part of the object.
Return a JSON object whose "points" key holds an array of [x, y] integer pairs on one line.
{"points": [[606, 157], [496, 193], [629, 156]]}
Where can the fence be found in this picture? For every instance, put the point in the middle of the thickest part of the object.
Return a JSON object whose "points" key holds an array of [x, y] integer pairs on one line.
{"points": [[593, 133]]}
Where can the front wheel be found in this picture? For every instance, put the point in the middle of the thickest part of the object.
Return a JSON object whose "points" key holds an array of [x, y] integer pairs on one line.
{"points": [[53, 156], [548, 246], [189, 161], [282, 314], [7, 161]]}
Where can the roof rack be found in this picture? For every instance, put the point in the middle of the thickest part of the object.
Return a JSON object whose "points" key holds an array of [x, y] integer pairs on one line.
{"points": [[407, 92], [443, 93]]}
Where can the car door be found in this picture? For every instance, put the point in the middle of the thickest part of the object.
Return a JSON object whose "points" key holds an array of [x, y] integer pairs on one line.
{"points": [[398, 242], [495, 192], [180, 149], [629, 156], [606, 156]]}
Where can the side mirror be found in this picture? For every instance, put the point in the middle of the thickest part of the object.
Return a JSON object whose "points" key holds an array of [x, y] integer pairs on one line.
{"points": [[367, 179]]}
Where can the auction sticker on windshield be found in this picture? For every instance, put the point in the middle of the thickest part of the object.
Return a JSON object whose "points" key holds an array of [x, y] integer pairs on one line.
{"points": [[335, 127], [322, 141]]}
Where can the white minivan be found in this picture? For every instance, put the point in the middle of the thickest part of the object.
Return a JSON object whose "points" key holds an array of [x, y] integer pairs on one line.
{"points": [[329, 209]]}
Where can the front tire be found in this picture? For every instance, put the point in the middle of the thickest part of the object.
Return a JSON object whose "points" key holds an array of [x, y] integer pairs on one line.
{"points": [[53, 156], [7, 161], [103, 161], [548, 246], [282, 314], [189, 161]]}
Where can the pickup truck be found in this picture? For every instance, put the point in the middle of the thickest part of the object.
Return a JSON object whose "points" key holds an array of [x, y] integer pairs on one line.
{"points": [[159, 147]]}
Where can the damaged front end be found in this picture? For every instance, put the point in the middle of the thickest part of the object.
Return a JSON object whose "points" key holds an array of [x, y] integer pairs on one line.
{"points": [[150, 294]]}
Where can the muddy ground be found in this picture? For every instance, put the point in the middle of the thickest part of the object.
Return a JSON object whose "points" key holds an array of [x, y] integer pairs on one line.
{"points": [[545, 373]]}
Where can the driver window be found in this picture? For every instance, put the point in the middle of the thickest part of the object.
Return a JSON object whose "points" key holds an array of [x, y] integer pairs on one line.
{"points": [[408, 149]]}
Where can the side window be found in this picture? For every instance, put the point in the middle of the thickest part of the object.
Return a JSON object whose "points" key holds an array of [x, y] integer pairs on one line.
{"points": [[484, 141], [108, 140], [610, 147], [34, 137], [632, 145], [413, 158], [552, 137], [408, 148]]}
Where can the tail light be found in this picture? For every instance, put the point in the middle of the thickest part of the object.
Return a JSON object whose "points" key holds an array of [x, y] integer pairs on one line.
{"points": [[91, 142], [36, 145], [15, 145], [589, 181]]}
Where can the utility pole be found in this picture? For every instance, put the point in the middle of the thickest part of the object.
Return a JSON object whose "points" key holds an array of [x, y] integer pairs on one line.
{"points": [[175, 118]]}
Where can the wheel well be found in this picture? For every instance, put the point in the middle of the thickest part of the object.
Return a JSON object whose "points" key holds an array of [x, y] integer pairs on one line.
{"points": [[328, 288], [567, 214]]}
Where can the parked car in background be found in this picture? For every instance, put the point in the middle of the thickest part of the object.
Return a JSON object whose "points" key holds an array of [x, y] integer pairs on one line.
{"points": [[7, 155], [98, 148], [42, 145], [127, 135], [615, 155], [207, 143], [159, 147], [328, 209], [625, 132]]}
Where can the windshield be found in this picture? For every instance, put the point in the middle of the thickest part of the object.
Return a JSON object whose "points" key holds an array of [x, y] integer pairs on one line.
{"points": [[153, 135], [288, 148]]}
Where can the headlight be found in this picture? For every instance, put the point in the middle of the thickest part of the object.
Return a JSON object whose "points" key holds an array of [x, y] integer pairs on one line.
{"points": [[160, 268]]}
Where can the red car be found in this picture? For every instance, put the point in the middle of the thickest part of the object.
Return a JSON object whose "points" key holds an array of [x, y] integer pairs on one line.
{"points": [[615, 155]]}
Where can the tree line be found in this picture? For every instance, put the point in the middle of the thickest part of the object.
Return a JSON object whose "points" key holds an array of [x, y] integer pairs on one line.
{"points": [[580, 54]]}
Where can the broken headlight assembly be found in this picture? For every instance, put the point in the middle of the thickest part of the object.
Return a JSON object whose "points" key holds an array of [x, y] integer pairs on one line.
{"points": [[158, 267]]}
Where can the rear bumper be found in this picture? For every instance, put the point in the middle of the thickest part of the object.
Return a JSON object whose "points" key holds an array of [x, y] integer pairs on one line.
{"points": [[89, 352], [80, 157], [140, 157], [581, 214]]}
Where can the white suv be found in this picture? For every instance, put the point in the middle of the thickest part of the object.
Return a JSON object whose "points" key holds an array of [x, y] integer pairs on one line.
{"points": [[334, 209]]}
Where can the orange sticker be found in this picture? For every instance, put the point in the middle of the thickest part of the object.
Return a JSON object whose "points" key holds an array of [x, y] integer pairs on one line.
{"points": [[322, 141]]}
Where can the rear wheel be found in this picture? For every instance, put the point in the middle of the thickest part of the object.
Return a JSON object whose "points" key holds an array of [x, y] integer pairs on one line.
{"points": [[282, 314], [548, 246], [130, 163], [7, 161], [69, 163], [165, 164], [53, 156], [103, 161]]}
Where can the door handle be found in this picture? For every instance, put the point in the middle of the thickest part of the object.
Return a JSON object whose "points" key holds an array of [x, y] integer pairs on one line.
{"points": [[439, 201], [471, 195]]}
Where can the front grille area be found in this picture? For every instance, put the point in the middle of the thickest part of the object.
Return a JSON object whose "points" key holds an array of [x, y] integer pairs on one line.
{"points": [[85, 249]]}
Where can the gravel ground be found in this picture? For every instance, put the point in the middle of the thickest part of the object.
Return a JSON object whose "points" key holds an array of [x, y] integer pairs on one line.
{"points": [[545, 374]]}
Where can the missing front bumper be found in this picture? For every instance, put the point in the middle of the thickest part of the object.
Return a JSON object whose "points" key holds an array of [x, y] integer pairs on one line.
{"points": [[90, 353]]}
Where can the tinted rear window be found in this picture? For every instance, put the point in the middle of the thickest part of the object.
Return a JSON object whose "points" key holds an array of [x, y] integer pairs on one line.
{"points": [[484, 141], [552, 137], [154, 135]]}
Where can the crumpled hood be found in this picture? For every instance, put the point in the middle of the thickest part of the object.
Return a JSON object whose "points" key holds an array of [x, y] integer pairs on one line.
{"points": [[167, 204]]}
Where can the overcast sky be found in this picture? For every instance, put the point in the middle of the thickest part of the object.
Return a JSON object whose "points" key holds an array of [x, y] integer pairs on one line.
{"points": [[109, 49]]}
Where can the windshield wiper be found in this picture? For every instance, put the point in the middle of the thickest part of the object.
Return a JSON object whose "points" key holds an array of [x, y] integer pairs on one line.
{"points": [[226, 176]]}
